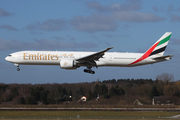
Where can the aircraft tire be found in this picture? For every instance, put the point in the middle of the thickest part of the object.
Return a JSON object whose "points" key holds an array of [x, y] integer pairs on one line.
{"points": [[85, 70], [89, 71], [92, 72]]}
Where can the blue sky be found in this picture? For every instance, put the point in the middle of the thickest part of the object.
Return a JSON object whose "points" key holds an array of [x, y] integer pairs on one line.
{"points": [[86, 25]]}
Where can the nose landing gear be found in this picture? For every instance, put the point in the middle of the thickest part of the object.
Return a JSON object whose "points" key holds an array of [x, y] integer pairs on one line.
{"points": [[18, 69]]}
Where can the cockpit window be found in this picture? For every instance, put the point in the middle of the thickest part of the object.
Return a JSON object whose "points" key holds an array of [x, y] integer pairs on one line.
{"points": [[9, 55]]}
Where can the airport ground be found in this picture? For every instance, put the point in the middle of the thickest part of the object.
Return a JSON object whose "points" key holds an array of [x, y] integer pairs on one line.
{"points": [[55, 112], [88, 115], [95, 119]]}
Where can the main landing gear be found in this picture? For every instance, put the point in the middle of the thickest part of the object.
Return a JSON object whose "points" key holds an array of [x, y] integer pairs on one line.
{"points": [[89, 71], [18, 69]]}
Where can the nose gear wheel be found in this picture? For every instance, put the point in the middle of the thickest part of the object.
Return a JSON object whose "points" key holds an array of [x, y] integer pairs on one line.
{"points": [[18, 69]]}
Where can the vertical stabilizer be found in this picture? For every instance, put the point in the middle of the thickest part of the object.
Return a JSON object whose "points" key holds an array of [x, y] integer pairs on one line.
{"points": [[162, 44], [157, 49]]}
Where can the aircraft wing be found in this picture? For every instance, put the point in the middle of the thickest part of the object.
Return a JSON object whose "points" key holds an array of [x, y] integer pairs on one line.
{"points": [[93, 57]]}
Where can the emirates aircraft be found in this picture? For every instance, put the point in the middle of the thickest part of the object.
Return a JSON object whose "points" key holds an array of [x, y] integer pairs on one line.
{"points": [[72, 60]]}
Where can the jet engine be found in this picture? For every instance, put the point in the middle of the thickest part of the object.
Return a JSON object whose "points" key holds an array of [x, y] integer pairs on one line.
{"points": [[68, 64]]}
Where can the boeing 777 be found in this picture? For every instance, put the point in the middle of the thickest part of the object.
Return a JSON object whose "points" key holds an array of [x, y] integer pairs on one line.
{"points": [[73, 60]]}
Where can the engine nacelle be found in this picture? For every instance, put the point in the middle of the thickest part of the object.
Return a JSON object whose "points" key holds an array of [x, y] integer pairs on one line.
{"points": [[68, 64]]}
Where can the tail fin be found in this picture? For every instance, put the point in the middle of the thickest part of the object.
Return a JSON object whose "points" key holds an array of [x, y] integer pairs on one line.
{"points": [[157, 49], [161, 44]]}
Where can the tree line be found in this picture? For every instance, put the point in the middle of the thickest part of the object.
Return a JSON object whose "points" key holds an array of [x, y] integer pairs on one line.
{"points": [[120, 91]]}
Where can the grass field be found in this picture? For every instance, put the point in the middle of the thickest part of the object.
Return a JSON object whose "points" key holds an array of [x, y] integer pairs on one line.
{"points": [[84, 115], [92, 119]]}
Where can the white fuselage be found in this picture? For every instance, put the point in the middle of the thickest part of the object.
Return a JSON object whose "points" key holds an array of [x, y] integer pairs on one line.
{"points": [[54, 57], [72, 60]]}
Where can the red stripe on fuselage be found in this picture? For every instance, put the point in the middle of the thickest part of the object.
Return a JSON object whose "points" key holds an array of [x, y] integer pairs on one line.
{"points": [[146, 54]]}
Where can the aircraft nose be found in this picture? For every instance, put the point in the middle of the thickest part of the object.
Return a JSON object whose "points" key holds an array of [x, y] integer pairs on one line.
{"points": [[7, 58]]}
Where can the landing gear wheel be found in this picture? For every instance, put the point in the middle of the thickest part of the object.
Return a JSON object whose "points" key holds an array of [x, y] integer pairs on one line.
{"points": [[89, 71], [18, 69], [85, 70], [92, 72]]}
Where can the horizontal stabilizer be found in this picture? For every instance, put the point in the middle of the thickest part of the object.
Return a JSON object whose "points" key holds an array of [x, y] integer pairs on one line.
{"points": [[167, 57]]}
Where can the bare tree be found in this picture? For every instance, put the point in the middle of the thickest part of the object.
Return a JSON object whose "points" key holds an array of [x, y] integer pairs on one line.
{"points": [[166, 77]]}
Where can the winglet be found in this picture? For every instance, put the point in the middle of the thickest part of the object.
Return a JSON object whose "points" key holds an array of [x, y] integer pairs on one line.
{"points": [[108, 49]]}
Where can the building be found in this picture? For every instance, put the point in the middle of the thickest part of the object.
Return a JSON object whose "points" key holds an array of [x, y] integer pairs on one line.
{"points": [[84, 98], [164, 100]]}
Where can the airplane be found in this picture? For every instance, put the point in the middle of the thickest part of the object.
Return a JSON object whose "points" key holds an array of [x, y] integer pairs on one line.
{"points": [[72, 60]]}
